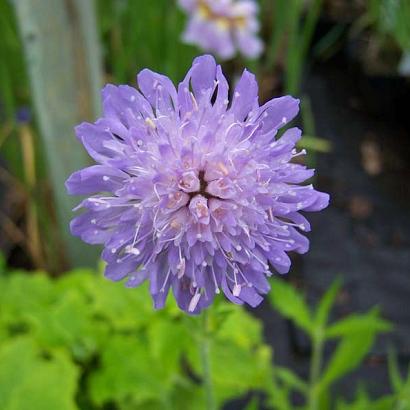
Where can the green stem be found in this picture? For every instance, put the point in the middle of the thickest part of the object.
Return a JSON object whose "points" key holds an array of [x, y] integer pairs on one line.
{"points": [[206, 362], [315, 367], [279, 23]]}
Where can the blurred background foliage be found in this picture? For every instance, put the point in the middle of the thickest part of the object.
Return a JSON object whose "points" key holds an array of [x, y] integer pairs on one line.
{"points": [[79, 341], [138, 34]]}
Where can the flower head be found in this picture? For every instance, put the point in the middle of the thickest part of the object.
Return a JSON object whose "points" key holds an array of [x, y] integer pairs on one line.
{"points": [[192, 192], [223, 26]]}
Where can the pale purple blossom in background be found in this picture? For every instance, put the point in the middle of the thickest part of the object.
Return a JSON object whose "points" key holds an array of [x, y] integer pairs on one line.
{"points": [[194, 192], [223, 27]]}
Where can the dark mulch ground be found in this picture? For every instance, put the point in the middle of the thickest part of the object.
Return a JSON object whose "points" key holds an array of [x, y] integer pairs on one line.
{"points": [[364, 236]]}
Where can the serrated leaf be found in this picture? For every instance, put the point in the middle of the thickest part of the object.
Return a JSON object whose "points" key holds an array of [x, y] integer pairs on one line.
{"points": [[24, 293], [235, 370], [241, 328], [290, 303], [239, 360], [354, 324], [31, 379], [169, 339], [349, 353], [127, 374], [325, 304]]}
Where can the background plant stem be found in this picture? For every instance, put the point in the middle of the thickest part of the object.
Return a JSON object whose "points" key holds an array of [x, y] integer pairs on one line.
{"points": [[206, 362], [315, 366]]}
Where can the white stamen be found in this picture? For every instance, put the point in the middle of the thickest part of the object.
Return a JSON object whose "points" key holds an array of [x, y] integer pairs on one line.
{"points": [[195, 104], [236, 290], [181, 268], [265, 266], [165, 281], [150, 123], [134, 251], [106, 178], [194, 301], [297, 154], [217, 291]]}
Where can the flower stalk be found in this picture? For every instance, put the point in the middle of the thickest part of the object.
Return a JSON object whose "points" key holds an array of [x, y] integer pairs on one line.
{"points": [[315, 367], [206, 362]]}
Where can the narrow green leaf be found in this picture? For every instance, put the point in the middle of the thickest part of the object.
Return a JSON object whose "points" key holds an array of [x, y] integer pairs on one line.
{"points": [[279, 398], [363, 402], [354, 324], [350, 352], [403, 396], [326, 303], [287, 301], [292, 380]]}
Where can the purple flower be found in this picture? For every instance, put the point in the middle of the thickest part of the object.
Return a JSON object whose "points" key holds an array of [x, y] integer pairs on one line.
{"points": [[192, 192], [223, 26]]}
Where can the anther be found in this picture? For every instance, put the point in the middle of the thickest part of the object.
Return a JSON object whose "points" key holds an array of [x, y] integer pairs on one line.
{"points": [[236, 290]]}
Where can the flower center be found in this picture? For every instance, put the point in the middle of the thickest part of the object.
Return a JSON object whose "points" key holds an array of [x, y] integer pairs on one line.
{"points": [[203, 186], [222, 21]]}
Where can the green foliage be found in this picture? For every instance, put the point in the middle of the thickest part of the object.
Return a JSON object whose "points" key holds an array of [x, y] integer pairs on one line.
{"points": [[400, 386], [33, 378], [354, 325], [13, 81], [349, 354], [13, 88], [391, 19], [398, 400], [292, 28], [287, 301], [137, 35], [355, 334], [83, 342]]}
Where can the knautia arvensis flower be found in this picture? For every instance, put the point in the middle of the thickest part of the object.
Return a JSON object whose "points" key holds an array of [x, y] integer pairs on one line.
{"points": [[223, 27], [194, 192]]}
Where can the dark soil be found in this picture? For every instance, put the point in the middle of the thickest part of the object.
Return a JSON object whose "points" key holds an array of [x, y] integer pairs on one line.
{"points": [[364, 235]]}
